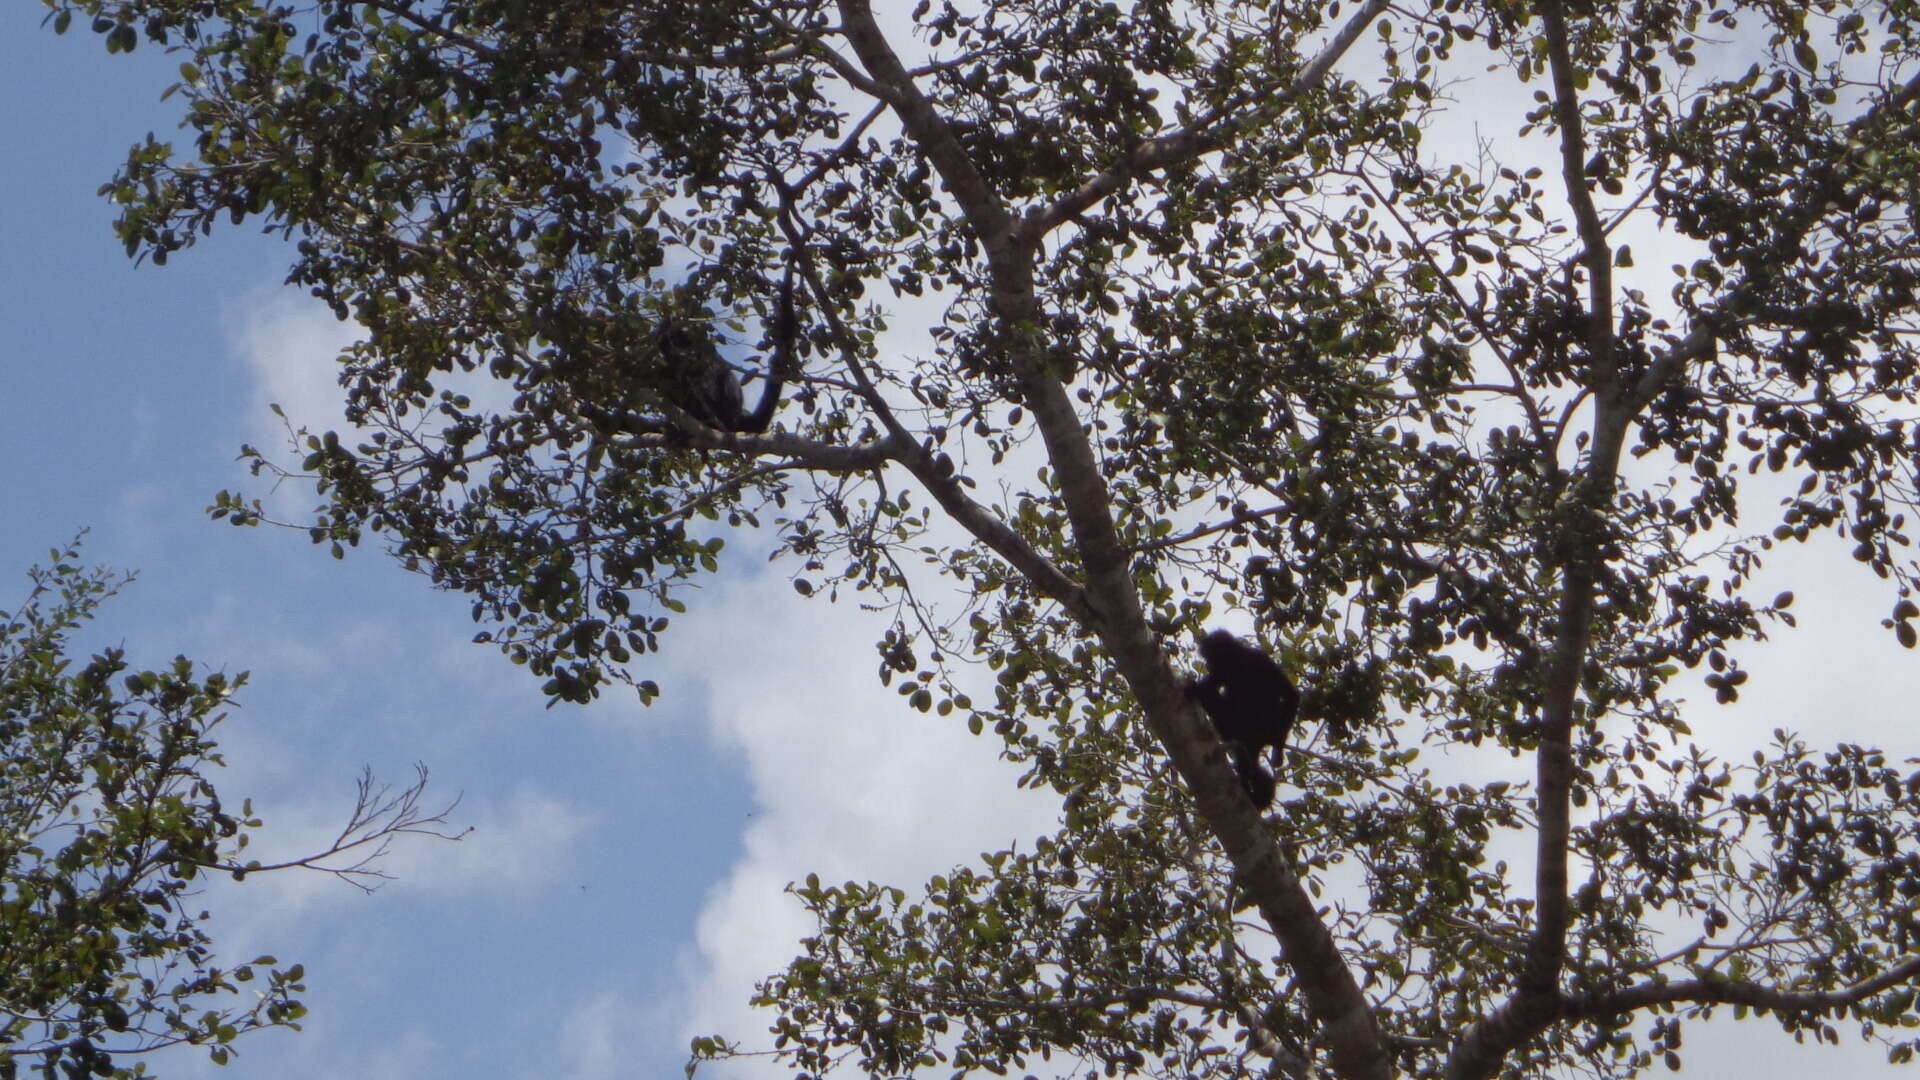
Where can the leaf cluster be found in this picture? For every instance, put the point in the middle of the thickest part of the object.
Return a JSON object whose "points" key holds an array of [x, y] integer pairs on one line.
{"points": [[109, 821]]}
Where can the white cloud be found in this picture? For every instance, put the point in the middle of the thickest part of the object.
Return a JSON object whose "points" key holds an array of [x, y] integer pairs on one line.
{"points": [[595, 1040], [852, 784], [318, 1051], [519, 844], [290, 346]]}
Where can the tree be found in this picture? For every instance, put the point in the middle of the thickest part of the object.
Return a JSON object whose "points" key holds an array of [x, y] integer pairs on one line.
{"points": [[1221, 325], [110, 820]]}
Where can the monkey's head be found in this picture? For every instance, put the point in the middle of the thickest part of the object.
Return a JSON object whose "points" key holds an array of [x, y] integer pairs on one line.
{"points": [[1218, 646]]}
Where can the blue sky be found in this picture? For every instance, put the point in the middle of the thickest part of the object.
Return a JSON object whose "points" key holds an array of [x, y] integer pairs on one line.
{"points": [[623, 885], [126, 396]]}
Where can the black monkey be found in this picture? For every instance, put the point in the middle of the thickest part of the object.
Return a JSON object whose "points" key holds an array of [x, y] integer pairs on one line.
{"points": [[1252, 704], [705, 386]]}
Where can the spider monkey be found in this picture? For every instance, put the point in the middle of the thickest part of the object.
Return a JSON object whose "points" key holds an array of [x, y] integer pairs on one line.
{"points": [[706, 387], [1252, 704]]}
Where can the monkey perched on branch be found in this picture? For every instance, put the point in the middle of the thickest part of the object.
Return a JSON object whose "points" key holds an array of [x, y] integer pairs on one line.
{"points": [[1252, 704], [619, 383], [703, 385]]}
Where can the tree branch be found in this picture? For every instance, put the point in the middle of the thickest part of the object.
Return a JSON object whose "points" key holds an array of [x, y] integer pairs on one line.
{"points": [[1597, 253], [1317, 69], [1725, 312], [802, 452], [1112, 608], [1735, 992], [934, 471], [1196, 140], [1535, 1001], [892, 84], [379, 815]]}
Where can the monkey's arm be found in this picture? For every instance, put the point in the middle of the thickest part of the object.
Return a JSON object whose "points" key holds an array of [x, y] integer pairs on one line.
{"points": [[783, 365], [1284, 689], [1209, 690]]}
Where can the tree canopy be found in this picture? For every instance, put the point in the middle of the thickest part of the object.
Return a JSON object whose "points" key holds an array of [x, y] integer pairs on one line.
{"points": [[1116, 319], [111, 822]]}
